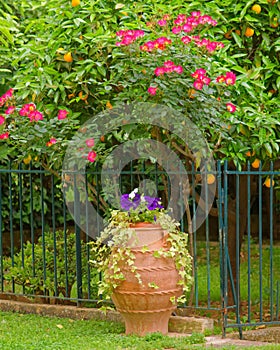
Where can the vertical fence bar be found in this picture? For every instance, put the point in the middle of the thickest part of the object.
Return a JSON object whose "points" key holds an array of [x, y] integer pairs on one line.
{"points": [[97, 173], [271, 242], [1, 238], [237, 232], [182, 199], [43, 228], [131, 176], [225, 244], [54, 238], [249, 241], [207, 244], [220, 200], [194, 238], [65, 249], [20, 219], [32, 237], [88, 269], [11, 212], [78, 239], [260, 244]]}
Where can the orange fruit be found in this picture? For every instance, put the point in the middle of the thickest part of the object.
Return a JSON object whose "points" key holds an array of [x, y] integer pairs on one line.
{"points": [[27, 160], [83, 98], [68, 57], [250, 154], [249, 32], [256, 163], [211, 179], [274, 23], [67, 178], [109, 105], [256, 8], [76, 3], [269, 182], [238, 32], [227, 35], [102, 138], [191, 93]]}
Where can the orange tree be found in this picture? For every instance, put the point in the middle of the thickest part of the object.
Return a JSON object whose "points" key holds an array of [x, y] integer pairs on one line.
{"points": [[63, 57]]}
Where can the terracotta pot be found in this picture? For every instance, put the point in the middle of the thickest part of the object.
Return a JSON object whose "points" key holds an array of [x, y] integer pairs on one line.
{"points": [[144, 308]]}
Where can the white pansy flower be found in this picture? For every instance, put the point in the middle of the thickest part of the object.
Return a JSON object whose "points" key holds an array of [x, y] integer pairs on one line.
{"points": [[132, 194]]}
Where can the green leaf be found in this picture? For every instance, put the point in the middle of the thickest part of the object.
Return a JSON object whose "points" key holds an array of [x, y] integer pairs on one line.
{"points": [[119, 6], [278, 83], [237, 39], [268, 149], [239, 69]]}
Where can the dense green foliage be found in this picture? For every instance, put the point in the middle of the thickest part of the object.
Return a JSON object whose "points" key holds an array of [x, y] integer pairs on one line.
{"points": [[48, 267], [35, 37]]}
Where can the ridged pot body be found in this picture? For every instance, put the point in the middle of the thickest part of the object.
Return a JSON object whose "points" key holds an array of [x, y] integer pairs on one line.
{"points": [[146, 309]]}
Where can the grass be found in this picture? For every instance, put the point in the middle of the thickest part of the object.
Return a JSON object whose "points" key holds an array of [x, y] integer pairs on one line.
{"points": [[212, 272], [30, 332]]}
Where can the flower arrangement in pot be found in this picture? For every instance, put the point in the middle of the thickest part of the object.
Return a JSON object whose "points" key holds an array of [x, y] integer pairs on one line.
{"points": [[145, 263]]}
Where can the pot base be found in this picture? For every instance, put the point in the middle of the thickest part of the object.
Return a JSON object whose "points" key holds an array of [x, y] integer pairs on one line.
{"points": [[142, 323]]}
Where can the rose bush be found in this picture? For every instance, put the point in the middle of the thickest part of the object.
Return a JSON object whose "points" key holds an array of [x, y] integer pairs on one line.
{"points": [[173, 65], [33, 63], [30, 134]]}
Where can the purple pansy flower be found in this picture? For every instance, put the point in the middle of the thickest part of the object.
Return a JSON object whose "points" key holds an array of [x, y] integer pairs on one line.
{"points": [[127, 203], [153, 203]]}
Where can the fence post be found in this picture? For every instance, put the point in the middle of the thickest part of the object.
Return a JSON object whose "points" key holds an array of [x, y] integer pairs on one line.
{"points": [[78, 240]]}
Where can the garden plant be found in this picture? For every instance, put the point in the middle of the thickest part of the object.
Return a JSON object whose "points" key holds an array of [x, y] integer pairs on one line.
{"points": [[217, 63]]}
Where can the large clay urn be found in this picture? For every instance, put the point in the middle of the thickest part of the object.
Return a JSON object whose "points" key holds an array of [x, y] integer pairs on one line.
{"points": [[146, 309]]}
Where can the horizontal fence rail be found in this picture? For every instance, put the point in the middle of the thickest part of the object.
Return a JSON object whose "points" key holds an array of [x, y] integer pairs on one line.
{"points": [[44, 253]]}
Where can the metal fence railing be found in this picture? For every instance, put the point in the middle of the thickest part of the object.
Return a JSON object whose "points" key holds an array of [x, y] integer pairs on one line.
{"points": [[236, 252]]}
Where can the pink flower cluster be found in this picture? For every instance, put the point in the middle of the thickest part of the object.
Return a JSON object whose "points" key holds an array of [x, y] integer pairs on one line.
{"points": [[201, 79], [91, 156], [29, 110], [231, 107], [6, 96], [62, 114], [152, 90], [158, 44], [4, 136], [187, 24], [51, 142], [3, 99], [210, 46], [168, 67], [163, 22], [128, 36], [228, 79]]}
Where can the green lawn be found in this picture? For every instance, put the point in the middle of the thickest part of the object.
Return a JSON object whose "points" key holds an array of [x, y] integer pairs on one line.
{"points": [[210, 273], [28, 332]]}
